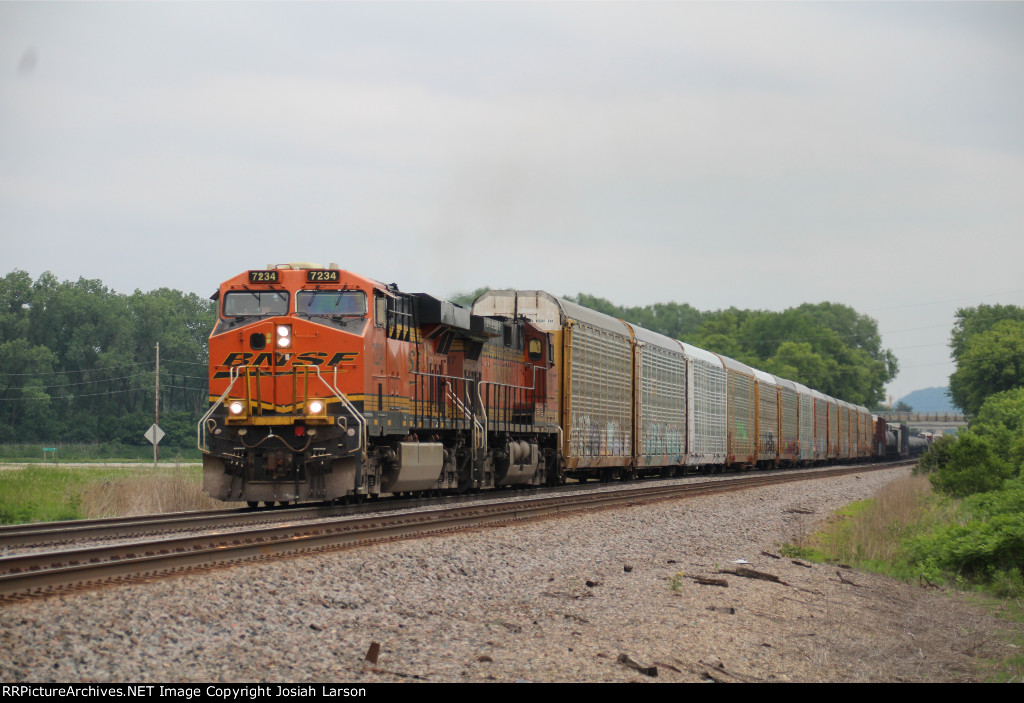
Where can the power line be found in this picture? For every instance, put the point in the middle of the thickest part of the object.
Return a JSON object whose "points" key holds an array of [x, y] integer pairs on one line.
{"points": [[944, 302], [93, 395], [98, 368]]}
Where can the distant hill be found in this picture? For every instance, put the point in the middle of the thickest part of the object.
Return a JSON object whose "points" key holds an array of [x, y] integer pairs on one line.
{"points": [[930, 400]]}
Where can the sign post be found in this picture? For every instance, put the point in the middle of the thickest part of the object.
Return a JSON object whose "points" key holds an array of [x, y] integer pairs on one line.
{"points": [[156, 410], [154, 434]]}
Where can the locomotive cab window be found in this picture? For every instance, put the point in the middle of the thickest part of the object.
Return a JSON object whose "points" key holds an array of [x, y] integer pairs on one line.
{"points": [[380, 310], [535, 349], [399, 317], [331, 302], [513, 336], [249, 303]]}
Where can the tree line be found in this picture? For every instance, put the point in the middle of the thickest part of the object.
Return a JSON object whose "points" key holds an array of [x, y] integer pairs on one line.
{"points": [[987, 344], [982, 466], [77, 361]]}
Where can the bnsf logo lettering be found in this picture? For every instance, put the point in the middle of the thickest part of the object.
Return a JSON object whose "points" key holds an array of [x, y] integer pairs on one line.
{"points": [[304, 359]]}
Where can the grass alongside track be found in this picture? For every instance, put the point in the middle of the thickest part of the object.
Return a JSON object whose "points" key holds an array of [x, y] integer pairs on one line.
{"points": [[874, 535], [106, 453], [871, 534], [45, 493]]}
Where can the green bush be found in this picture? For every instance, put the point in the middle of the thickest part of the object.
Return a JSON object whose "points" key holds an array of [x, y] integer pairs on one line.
{"points": [[985, 546], [1009, 500], [1001, 419], [966, 464], [1008, 584], [937, 455], [978, 549]]}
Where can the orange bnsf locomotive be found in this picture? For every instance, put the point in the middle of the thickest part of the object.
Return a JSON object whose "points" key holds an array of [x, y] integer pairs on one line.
{"points": [[326, 385]]}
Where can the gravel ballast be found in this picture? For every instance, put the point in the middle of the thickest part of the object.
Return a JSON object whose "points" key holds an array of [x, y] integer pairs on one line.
{"points": [[600, 596]]}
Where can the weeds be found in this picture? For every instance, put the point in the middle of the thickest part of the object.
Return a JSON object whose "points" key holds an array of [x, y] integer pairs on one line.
{"points": [[871, 534], [108, 453], [886, 535], [40, 494], [162, 491], [48, 493]]}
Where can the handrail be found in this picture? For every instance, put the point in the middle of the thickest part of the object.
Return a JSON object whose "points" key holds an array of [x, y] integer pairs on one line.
{"points": [[236, 373], [470, 415], [518, 388], [200, 434], [360, 420]]}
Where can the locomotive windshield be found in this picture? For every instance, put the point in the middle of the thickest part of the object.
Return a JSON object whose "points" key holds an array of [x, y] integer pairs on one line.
{"points": [[255, 302], [330, 302]]}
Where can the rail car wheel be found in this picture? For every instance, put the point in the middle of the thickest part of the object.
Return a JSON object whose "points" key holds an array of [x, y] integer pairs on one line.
{"points": [[253, 504], [268, 503]]}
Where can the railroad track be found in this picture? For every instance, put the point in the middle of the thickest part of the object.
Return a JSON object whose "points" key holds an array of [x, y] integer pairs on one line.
{"points": [[72, 531], [68, 569], [79, 531]]}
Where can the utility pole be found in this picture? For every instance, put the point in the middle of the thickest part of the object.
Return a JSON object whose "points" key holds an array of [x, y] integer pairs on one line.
{"points": [[156, 422]]}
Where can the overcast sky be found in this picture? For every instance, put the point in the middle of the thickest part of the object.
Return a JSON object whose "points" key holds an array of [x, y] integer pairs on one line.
{"points": [[754, 155]]}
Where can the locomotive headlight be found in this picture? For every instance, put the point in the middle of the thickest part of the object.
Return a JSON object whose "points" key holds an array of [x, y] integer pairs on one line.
{"points": [[284, 336], [316, 407], [236, 407]]}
